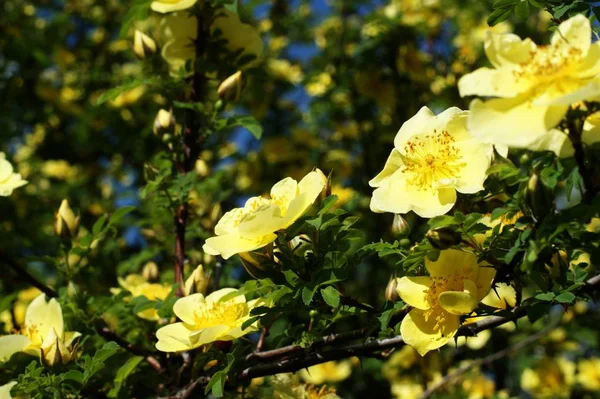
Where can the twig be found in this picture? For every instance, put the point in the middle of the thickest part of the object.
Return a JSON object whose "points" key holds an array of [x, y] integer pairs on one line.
{"points": [[575, 127], [261, 340], [451, 377], [110, 335], [349, 301], [187, 391], [26, 276]]}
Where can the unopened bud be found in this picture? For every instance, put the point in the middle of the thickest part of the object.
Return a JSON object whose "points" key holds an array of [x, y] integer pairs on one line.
{"points": [[150, 271], [72, 289], [197, 283], [537, 197], [231, 88], [54, 350], [66, 224], [143, 45], [253, 262], [400, 226], [391, 292], [443, 238], [164, 122]]}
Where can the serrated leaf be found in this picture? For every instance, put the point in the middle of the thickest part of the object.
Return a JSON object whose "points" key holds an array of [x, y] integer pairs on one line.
{"points": [[565, 297], [499, 15], [331, 296], [546, 296], [307, 295]]}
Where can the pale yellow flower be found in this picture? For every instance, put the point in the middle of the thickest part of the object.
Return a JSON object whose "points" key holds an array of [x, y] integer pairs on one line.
{"points": [[8, 179], [327, 372], [284, 70], [535, 85], [478, 386], [288, 386], [207, 319], [42, 334], [406, 387], [128, 97], [137, 285], [197, 282], [165, 6], [400, 361], [66, 224], [588, 374], [254, 226], [5, 390], [455, 285], [59, 169], [319, 84], [433, 158], [550, 378]]}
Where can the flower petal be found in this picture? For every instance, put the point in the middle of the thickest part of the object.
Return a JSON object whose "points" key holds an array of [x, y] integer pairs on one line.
{"points": [[210, 334], [576, 93], [5, 390], [501, 297], [452, 262], [44, 315], [286, 189], [424, 122], [309, 187], [478, 160], [424, 333], [185, 307], [11, 344], [507, 49], [575, 32], [488, 82], [229, 245], [174, 338], [217, 295], [484, 280], [261, 222], [393, 163], [457, 303], [412, 290], [169, 6]]}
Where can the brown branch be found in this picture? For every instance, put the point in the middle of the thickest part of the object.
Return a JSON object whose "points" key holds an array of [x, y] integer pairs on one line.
{"points": [[26, 276], [110, 335]]}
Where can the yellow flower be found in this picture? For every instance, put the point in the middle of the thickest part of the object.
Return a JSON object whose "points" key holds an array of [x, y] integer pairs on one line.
{"points": [[5, 390], [588, 374], [239, 36], [59, 169], [254, 226], [206, 320], [165, 6], [143, 45], [66, 224], [433, 158], [287, 386], [327, 372], [42, 334], [8, 180], [406, 387], [128, 98], [400, 361], [319, 84], [535, 85], [139, 286], [457, 283], [284, 70], [550, 378], [197, 282], [478, 386]]}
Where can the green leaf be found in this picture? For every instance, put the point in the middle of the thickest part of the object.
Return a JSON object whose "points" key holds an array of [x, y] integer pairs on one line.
{"points": [[92, 365], [522, 10], [565, 297], [113, 93], [307, 295], [331, 296], [561, 10], [505, 3], [120, 213], [442, 221], [99, 224], [247, 122], [138, 10], [546, 296], [73, 375], [217, 382], [122, 373], [499, 15], [198, 107], [327, 204]]}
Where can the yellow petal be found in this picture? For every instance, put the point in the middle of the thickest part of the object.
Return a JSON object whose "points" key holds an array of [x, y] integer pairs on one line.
{"points": [[507, 49], [576, 92], [474, 172], [229, 245], [11, 344], [286, 189], [185, 307], [44, 315], [452, 262], [503, 296], [457, 303], [574, 32], [424, 122], [173, 338], [210, 334], [170, 6], [266, 220], [217, 295], [313, 183], [5, 390], [422, 334], [484, 281], [589, 66], [488, 82], [489, 121], [412, 291], [393, 163], [239, 36], [310, 187]]}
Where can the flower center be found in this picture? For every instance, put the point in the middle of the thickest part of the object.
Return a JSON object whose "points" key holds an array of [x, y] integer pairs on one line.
{"points": [[441, 284], [33, 334], [431, 158], [548, 63], [220, 313]]}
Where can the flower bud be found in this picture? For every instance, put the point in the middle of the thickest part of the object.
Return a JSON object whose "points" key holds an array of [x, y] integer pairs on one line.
{"points": [[66, 224], [391, 293], [72, 290], [53, 350], [143, 45], [164, 122], [538, 198], [197, 283], [400, 226], [443, 238], [253, 263], [231, 88], [150, 271]]}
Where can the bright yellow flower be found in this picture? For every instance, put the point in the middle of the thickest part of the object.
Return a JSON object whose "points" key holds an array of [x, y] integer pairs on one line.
{"points": [[139, 286], [588, 374], [433, 158], [550, 378], [206, 320], [478, 386], [457, 283], [327, 372], [288, 386], [5, 390], [8, 180], [42, 334], [319, 84], [535, 85], [165, 6], [254, 226]]}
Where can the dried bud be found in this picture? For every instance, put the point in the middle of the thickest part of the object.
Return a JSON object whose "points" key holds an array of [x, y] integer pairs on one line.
{"points": [[197, 283], [143, 45], [231, 88], [443, 238], [391, 293], [400, 226], [66, 224], [164, 122], [253, 263], [150, 271]]}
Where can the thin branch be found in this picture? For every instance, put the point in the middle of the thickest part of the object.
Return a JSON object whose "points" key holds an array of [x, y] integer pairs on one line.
{"points": [[110, 335], [26, 276], [261, 340]]}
